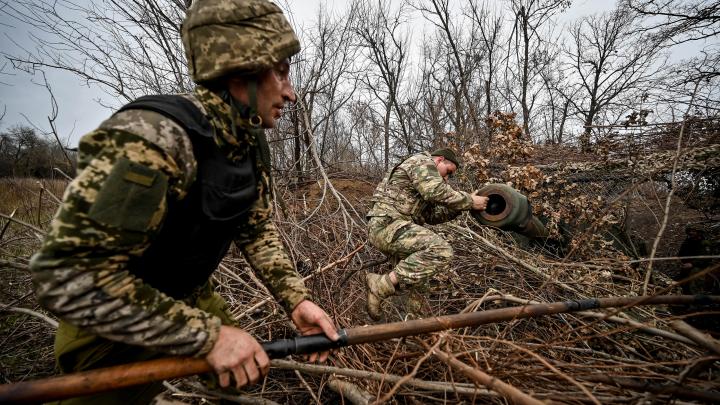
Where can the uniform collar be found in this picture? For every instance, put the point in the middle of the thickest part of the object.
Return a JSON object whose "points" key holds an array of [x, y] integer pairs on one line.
{"points": [[220, 114]]}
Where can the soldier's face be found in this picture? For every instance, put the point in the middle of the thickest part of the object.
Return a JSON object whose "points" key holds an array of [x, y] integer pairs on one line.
{"points": [[274, 90], [446, 168]]}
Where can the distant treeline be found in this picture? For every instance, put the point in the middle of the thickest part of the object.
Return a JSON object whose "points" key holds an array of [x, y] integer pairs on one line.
{"points": [[25, 153]]}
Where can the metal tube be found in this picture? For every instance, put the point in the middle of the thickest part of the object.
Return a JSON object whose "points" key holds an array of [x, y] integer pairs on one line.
{"points": [[375, 333]]}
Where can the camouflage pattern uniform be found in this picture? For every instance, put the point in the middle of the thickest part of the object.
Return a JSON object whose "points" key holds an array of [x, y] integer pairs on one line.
{"points": [[412, 194], [130, 171]]}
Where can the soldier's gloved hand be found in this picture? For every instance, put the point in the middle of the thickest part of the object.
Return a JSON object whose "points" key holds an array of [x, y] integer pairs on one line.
{"points": [[311, 320], [479, 202], [237, 352]]}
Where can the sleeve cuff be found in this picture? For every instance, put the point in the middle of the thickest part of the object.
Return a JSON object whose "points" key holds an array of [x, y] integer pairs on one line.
{"points": [[213, 331], [468, 201], [293, 298]]}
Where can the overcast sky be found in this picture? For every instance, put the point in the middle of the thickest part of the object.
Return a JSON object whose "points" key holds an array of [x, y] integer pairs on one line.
{"points": [[79, 109]]}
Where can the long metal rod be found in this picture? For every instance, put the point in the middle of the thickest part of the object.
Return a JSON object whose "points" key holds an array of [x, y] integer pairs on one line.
{"points": [[375, 333], [126, 375]]}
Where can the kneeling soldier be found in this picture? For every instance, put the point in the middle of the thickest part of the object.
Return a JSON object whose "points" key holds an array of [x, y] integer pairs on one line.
{"points": [[413, 193]]}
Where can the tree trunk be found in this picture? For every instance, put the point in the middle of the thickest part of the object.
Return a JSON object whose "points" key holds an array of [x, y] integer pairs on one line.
{"points": [[296, 147], [386, 134], [526, 40]]}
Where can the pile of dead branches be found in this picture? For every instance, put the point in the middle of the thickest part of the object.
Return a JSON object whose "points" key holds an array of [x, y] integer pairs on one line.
{"points": [[637, 354]]}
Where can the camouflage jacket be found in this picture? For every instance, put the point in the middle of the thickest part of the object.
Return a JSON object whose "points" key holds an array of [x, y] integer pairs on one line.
{"points": [[415, 191], [81, 273]]}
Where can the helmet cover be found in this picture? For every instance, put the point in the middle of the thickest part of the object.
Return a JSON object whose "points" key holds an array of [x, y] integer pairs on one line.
{"points": [[226, 36]]}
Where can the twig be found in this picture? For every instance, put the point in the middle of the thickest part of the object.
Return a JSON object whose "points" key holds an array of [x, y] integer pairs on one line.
{"points": [[696, 336], [344, 259], [36, 314], [57, 169], [239, 399], [350, 391], [553, 369], [38, 231], [495, 384], [647, 386], [668, 199], [598, 315], [515, 260], [412, 374], [5, 227], [54, 197], [371, 375], [310, 390], [341, 201], [14, 265]]}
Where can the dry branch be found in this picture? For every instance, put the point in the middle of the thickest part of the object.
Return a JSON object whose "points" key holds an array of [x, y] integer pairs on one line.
{"points": [[506, 390], [350, 391], [439, 386]]}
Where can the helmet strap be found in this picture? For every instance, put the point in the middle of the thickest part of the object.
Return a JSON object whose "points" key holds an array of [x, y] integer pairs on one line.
{"points": [[248, 113], [255, 120]]}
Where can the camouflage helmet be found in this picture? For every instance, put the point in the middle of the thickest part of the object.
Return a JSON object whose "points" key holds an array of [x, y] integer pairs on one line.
{"points": [[226, 36]]}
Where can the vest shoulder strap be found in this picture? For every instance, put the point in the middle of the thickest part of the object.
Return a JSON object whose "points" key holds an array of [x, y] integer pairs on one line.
{"points": [[179, 109]]}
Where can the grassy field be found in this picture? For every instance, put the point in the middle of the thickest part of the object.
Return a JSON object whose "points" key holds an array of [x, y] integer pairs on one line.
{"points": [[25, 340]]}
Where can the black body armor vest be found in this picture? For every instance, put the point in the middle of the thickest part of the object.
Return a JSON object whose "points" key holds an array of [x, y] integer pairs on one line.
{"points": [[198, 229]]}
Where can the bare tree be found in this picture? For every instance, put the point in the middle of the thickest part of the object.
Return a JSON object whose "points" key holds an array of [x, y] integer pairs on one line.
{"points": [[556, 109], [325, 81], [670, 23], [490, 25], [127, 47], [678, 21], [529, 48], [379, 31], [609, 60], [460, 59], [435, 104], [26, 153]]}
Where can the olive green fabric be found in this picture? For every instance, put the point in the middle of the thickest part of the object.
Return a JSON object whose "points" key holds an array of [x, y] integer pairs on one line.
{"points": [[78, 350], [129, 197]]}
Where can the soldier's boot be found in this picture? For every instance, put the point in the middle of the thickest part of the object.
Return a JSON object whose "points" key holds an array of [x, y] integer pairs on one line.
{"points": [[379, 287]]}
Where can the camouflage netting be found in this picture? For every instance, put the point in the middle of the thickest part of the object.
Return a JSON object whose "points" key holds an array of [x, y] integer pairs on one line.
{"points": [[609, 199]]}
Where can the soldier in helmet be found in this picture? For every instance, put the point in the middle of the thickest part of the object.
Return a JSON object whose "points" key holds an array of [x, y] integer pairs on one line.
{"points": [[163, 187], [413, 193]]}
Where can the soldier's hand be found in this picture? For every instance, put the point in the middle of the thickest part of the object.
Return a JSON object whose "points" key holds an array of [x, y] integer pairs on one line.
{"points": [[479, 202], [238, 353], [311, 320]]}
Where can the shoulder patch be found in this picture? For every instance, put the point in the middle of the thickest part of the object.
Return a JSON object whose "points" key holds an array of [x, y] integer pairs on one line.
{"points": [[131, 198]]}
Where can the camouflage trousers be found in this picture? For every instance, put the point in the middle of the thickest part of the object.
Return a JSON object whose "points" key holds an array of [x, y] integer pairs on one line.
{"points": [[77, 350], [419, 252]]}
